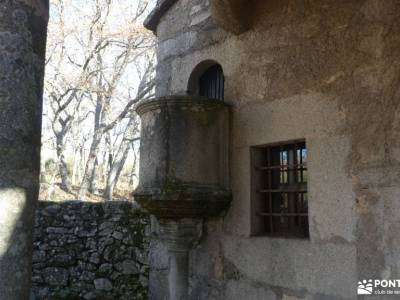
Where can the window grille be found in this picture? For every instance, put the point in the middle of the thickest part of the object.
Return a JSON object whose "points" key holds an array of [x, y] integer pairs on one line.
{"points": [[212, 83], [279, 190]]}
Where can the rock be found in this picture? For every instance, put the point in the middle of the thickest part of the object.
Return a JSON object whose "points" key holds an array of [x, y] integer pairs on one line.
{"points": [[104, 242], [83, 232], [81, 286], [56, 276], [62, 260], [38, 256], [94, 258], [91, 244], [129, 267], [118, 266], [141, 256], [90, 295], [41, 293], [143, 269], [69, 218], [115, 275], [109, 253], [84, 255], [53, 244], [118, 235], [144, 281], [56, 230], [116, 218], [72, 240], [105, 269], [87, 276], [113, 209], [51, 209], [87, 266], [106, 232], [106, 225], [77, 255], [130, 253], [103, 284], [127, 241], [64, 293], [38, 266], [37, 279]]}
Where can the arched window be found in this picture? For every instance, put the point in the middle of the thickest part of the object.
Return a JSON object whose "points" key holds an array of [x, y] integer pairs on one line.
{"points": [[211, 83], [207, 80]]}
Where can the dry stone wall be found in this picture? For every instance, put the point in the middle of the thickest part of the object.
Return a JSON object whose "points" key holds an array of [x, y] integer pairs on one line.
{"points": [[90, 251]]}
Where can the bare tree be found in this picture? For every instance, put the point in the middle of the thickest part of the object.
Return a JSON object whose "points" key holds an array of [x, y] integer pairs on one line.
{"points": [[87, 81], [101, 129], [65, 93], [130, 135], [127, 46]]}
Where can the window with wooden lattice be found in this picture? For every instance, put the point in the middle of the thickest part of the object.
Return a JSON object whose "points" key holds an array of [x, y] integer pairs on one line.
{"points": [[279, 190]]}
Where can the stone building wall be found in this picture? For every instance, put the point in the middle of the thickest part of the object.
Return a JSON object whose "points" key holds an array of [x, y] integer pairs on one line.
{"points": [[88, 250], [324, 71]]}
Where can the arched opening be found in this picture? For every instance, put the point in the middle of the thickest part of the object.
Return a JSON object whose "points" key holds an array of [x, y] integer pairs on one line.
{"points": [[207, 79]]}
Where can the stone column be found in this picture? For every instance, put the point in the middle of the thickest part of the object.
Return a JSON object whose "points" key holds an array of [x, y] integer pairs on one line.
{"points": [[179, 236], [23, 27]]}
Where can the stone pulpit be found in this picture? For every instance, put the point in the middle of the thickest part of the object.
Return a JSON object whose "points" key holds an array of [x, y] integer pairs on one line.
{"points": [[184, 173]]}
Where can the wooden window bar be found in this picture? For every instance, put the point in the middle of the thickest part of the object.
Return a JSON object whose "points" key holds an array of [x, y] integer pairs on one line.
{"points": [[285, 211]]}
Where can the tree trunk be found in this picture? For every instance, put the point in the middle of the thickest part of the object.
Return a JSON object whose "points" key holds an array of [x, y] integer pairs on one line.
{"points": [[133, 171], [62, 165], [90, 166], [75, 167], [93, 179], [108, 156], [81, 165], [115, 170]]}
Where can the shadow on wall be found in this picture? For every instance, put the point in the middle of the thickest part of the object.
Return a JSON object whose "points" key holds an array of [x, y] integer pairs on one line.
{"points": [[16, 222], [86, 250]]}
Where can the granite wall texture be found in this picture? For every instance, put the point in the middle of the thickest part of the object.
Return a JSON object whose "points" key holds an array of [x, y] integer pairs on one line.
{"points": [[23, 29], [88, 250], [324, 71]]}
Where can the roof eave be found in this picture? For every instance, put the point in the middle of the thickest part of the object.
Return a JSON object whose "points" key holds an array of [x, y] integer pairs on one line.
{"points": [[157, 13]]}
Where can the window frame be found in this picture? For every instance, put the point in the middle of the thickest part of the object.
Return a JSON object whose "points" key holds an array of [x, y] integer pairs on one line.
{"points": [[263, 203]]}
